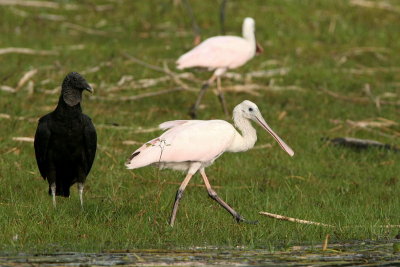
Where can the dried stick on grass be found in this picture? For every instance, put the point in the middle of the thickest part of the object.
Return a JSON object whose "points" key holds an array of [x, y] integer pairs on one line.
{"points": [[23, 139], [165, 70], [284, 218], [32, 3], [361, 100], [28, 51], [325, 244], [7, 88], [25, 78], [375, 4], [137, 97]]}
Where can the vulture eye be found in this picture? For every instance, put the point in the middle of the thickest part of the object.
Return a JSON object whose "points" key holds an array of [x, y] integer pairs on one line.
{"points": [[250, 109]]}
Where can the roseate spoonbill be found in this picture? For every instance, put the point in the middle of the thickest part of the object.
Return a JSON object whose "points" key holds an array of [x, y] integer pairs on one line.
{"points": [[192, 145], [220, 53], [65, 140]]}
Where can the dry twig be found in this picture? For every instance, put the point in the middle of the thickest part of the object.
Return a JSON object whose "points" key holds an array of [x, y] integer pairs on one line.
{"points": [[361, 100], [25, 78], [28, 51], [284, 218], [33, 3], [137, 97], [23, 139], [375, 4]]}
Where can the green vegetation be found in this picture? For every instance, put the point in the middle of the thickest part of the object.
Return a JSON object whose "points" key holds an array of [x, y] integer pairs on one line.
{"points": [[329, 45]]}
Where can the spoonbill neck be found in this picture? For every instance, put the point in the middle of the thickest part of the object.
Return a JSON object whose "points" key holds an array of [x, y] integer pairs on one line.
{"points": [[248, 32], [247, 139]]}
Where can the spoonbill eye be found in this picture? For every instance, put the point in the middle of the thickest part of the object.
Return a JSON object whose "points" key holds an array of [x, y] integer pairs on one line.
{"points": [[250, 109]]}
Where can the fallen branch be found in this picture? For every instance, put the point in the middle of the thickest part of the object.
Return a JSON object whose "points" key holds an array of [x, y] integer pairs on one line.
{"points": [[28, 51], [284, 218], [361, 143], [9, 117], [97, 67], [118, 127], [7, 88], [360, 100], [375, 4], [137, 97], [251, 88], [369, 71], [32, 3], [23, 139], [165, 70], [127, 82], [25, 78]]}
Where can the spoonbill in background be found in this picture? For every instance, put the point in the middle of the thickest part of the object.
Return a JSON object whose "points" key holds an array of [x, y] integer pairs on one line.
{"points": [[219, 54], [193, 145]]}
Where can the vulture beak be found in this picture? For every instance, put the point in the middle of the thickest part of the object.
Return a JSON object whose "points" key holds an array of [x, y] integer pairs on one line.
{"points": [[89, 88], [259, 49]]}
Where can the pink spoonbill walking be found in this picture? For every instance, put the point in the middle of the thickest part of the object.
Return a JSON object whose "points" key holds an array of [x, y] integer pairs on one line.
{"points": [[219, 54], [193, 145]]}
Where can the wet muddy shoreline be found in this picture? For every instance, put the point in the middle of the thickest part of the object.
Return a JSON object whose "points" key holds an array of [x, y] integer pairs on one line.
{"points": [[358, 253]]}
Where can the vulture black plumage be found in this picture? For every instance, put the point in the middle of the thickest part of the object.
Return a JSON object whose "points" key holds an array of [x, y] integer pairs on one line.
{"points": [[65, 140]]}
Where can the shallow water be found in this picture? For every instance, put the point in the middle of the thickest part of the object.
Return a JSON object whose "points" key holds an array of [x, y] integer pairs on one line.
{"points": [[369, 253]]}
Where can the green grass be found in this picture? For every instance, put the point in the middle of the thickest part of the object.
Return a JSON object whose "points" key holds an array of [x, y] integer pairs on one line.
{"points": [[130, 209]]}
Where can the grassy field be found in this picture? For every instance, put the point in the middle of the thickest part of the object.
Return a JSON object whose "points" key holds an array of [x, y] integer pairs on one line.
{"points": [[346, 47]]}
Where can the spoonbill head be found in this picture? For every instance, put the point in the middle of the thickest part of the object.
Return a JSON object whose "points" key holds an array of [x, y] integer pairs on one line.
{"points": [[193, 145]]}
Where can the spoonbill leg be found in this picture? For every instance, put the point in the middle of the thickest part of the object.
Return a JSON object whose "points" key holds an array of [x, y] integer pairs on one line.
{"points": [[221, 97], [193, 110], [178, 197], [214, 196]]}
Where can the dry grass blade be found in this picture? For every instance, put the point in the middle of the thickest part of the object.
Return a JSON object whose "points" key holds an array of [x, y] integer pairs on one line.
{"points": [[165, 70], [375, 4], [268, 73], [137, 97], [32, 3], [257, 74], [284, 218], [23, 139], [251, 88], [28, 51], [262, 146], [9, 117], [361, 100], [7, 88], [325, 244], [97, 68], [25, 78]]}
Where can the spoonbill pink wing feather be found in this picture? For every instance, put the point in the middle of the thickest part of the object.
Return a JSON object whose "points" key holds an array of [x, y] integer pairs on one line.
{"points": [[218, 52], [190, 141]]}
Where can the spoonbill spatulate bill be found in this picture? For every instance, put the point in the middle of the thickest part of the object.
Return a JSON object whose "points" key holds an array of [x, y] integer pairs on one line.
{"points": [[193, 145], [219, 54]]}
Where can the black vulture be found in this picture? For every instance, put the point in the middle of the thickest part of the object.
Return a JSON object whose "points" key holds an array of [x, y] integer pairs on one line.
{"points": [[65, 140]]}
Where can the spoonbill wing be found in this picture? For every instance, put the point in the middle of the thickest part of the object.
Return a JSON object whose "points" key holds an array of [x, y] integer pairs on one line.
{"points": [[201, 141], [218, 52]]}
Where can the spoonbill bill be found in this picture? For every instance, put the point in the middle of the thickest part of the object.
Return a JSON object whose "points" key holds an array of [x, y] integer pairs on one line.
{"points": [[219, 54], [193, 145]]}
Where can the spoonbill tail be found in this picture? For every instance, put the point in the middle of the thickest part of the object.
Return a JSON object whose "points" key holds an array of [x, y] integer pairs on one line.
{"points": [[221, 53], [193, 145]]}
